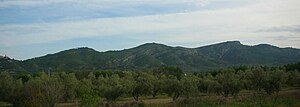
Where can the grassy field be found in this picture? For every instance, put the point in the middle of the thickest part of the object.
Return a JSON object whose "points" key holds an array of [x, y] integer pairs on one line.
{"points": [[288, 97]]}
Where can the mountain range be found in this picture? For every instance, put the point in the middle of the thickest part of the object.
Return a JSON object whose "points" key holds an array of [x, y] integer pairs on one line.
{"points": [[153, 55]]}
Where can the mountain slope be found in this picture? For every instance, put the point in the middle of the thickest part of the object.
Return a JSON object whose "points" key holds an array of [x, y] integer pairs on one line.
{"points": [[234, 53], [7, 64], [151, 55]]}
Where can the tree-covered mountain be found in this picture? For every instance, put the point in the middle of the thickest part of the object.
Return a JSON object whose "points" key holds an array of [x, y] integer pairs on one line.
{"points": [[152, 55], [234, 52], [10, 64]]}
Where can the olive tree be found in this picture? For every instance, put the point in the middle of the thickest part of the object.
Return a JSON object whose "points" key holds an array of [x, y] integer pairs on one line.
{"points": [[172, 87], [43, 91], [274, 81], [265, 81], [293, 78], [111, 88], [143, 85], [157, 85], [229, 82], [209, 84], [70, 83], [6, 86], [11, 89], [86, 94], [189, 85]]}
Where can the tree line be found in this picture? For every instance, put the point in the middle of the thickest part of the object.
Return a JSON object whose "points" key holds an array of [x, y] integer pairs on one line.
{"points": [[92, 88]]}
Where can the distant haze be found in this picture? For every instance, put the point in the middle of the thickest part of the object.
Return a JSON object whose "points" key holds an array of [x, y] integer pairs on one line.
{"points": [[31, 28]]}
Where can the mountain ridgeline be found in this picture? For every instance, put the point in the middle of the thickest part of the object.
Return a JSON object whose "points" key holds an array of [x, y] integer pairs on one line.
{"points": [[153, 55]]}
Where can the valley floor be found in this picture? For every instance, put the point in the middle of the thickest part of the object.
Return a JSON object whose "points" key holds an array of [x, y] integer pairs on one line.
{"points": [[288, 97]]}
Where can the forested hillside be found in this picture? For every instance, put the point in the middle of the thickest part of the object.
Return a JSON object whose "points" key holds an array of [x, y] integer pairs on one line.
{"points": [[153, 55]]}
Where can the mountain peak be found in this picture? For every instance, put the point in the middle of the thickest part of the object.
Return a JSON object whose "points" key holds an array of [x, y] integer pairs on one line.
{"points": [[81, 49], [232, 42], [152, 45], [84, 48], [226, 44], [265, 46]]}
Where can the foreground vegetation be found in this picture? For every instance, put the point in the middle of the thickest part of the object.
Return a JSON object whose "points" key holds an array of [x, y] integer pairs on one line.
{"points": [[234, 86]]}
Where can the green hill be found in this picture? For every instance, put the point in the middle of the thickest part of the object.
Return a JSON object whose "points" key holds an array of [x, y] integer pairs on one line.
{"points": [[152, 55], [7, 64], [234, 53]]}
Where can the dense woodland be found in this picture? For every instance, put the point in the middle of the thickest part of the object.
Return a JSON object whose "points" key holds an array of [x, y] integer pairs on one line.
{"points": [[47, 89]]}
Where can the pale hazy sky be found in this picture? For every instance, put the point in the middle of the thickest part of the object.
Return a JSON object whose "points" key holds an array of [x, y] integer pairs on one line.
{"points": [[31, 28]]}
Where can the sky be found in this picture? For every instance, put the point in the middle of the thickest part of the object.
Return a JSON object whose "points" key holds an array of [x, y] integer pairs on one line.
{"points": [[33, 28]]}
